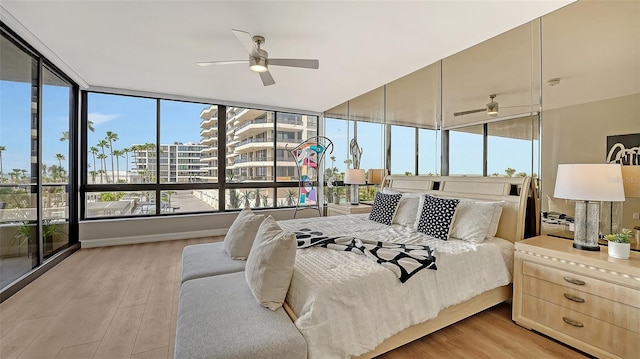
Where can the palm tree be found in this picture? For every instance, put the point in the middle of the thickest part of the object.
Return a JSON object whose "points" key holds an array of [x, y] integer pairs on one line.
{"points": [[111, 136], [118, 154], [94, 152], [60, 158], [102, 158], [126, 153], [90, 126], [103, 164], [2, 149], [65, 136]]}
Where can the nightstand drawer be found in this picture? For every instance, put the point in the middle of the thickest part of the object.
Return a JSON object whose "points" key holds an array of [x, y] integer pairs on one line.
{"points": [[582, 283], [610, 311], [613, 339]]}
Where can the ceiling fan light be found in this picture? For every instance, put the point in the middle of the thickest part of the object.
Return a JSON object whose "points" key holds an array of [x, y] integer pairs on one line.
{"points": [[258, 64], [492, 108]]}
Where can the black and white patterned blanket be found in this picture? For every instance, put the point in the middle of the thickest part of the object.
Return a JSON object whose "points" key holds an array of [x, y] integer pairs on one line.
{"points": [[404, 260]]}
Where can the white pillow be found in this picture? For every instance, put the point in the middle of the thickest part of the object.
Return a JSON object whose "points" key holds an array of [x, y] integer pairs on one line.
{"points": [[239, 238], [473, 220], [495, 220], [407, 212], [270, 264]]}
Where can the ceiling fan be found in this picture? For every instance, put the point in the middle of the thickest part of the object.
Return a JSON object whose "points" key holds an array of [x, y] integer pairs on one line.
{"points": [[491, 108], [259, 60]]}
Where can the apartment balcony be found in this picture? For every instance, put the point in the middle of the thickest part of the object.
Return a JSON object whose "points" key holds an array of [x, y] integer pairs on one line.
{"points": [[209, 150], [210, 113], [248, 115], [209, 132]]}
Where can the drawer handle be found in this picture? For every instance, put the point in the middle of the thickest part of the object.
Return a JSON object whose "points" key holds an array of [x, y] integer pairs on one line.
{"points": [[573, 298], [575, 323], [574, 281]]}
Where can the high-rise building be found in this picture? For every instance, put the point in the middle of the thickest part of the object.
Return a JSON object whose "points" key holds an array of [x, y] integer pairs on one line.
{"points": [[179, 163], [252, 143]]}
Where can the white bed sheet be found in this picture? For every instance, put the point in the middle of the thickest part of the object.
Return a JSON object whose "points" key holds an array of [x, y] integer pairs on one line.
{"points": [[347, 304]]}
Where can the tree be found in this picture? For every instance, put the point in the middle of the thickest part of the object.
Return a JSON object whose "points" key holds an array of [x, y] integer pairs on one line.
{"points": [[60, 158], [126, 153], [65, 136], [118, 154], [103, 163], [111, 137], [521, 174], [102, 172], [2, 149], [94, 152], [510, 171], [57, 174]]}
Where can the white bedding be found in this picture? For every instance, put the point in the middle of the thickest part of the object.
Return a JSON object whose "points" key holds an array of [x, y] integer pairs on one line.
{"points": [[347, 304]]}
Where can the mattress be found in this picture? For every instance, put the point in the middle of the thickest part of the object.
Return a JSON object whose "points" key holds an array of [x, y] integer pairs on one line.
{"points": [[346, 304]]}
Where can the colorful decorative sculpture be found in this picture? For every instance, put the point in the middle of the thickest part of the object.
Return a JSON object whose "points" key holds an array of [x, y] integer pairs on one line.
{"points": [[308, 156]]}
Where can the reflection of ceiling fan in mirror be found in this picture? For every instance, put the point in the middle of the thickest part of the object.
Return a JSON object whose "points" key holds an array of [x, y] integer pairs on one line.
{"points": [[491, 108], [259, 60]]}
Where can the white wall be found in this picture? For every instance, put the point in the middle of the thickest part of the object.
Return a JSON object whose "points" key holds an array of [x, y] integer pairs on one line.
{"points": [[140, 230]]}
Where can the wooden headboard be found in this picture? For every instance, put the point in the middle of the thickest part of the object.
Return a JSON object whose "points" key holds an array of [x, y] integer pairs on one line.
{"points": [[513, 190]]}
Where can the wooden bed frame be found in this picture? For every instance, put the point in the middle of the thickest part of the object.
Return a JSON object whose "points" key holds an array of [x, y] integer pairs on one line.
{"points": [[514, 191]]}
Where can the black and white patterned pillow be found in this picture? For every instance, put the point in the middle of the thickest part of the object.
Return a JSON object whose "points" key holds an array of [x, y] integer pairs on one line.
{"points": [[436, 216], [384, 207]]}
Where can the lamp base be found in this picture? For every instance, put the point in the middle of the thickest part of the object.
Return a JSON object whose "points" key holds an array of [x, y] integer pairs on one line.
{"points": [[587, 230], [585, 247], [355, 197]]}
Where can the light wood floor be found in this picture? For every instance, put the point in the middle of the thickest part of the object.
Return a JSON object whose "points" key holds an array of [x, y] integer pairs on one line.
{"points": [[121, 302]]}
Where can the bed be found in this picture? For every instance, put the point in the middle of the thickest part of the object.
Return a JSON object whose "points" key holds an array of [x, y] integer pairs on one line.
{"points": [[346, 305]]}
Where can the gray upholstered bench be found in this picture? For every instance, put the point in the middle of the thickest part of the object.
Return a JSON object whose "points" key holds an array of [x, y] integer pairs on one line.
{"points": [[206, 260], [218, 317]]}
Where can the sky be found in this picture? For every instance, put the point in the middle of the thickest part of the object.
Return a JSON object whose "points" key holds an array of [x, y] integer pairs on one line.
{"points": [[133, 120]]}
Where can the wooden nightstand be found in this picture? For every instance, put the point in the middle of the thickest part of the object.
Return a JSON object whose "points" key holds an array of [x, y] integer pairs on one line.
{"points": [[347, 208], [584, 299]]}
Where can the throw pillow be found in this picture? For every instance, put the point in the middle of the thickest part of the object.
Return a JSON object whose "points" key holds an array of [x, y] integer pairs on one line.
{"points": [[407, 212], [384, 207], [436, 216], [270, 264], [495, 220], [239, 238], [472, 220]]}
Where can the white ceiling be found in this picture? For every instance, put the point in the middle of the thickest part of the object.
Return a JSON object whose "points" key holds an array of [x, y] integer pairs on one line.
{"points": [[152, 46]]}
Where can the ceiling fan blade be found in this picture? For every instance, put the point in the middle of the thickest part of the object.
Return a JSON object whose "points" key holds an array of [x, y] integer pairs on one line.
{"points": [[304, 63], [246, 40], [229, 62], [469, 112], [267, 79]]}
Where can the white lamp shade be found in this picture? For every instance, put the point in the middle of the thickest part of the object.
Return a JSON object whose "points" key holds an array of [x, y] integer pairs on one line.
{"points": [[354, 176], [590, 182]]}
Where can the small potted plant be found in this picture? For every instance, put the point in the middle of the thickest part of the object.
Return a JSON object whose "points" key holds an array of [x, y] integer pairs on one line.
{"points": [[619, 244]]}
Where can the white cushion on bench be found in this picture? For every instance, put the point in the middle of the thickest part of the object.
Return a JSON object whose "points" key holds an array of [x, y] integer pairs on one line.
{"points": [[218, 317], [208, 259]]}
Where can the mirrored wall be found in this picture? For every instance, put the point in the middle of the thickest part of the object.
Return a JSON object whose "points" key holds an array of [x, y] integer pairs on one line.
{"points": [[554, 90]]}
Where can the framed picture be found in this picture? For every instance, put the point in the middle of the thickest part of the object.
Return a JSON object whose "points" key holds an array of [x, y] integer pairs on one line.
{"points": [[625, 150]]}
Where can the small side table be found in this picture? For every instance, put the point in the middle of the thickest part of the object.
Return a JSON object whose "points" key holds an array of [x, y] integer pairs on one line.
{"points": [[347, 208]]}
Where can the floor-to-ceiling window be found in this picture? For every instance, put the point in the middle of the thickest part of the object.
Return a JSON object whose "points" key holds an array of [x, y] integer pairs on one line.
{"points": [[403, 150], [150, 156], [466, 150], [37, 105]]}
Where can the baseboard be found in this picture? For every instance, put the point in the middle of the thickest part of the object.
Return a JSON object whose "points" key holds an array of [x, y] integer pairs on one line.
{"points": [[117, 241]]}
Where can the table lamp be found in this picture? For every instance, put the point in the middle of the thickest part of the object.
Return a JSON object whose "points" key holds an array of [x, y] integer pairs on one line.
{"points": [[354, 177], [589, 184]]}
